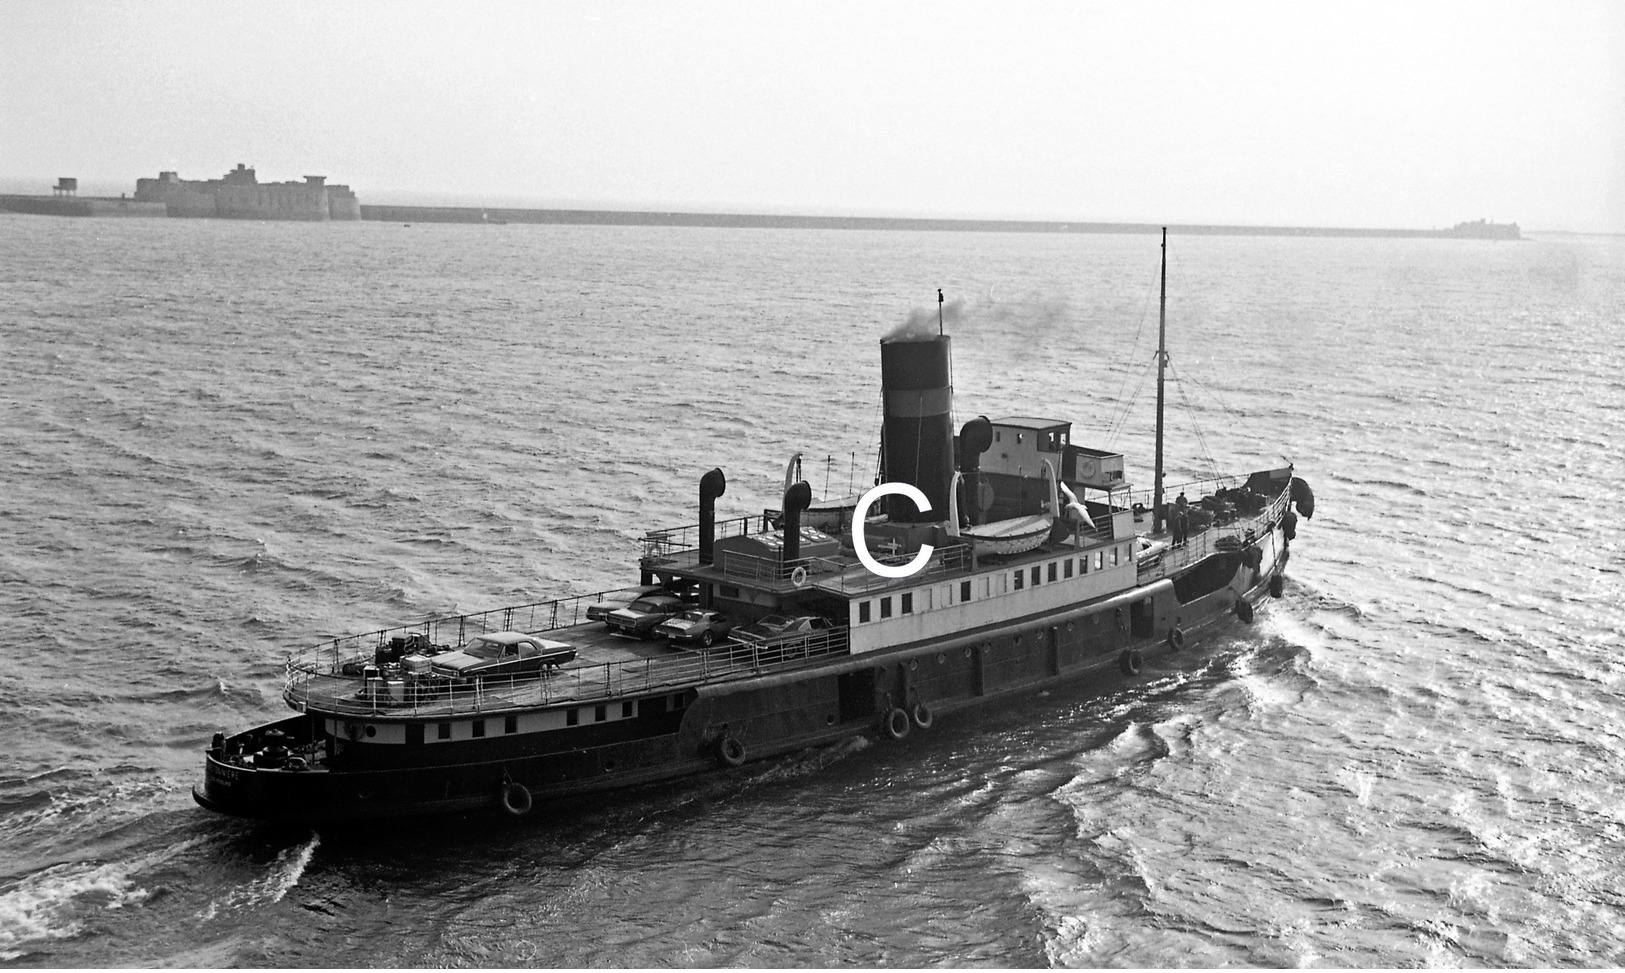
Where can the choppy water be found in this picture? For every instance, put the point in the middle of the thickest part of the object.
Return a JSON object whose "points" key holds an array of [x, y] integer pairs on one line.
{"points": [[226, 440]]}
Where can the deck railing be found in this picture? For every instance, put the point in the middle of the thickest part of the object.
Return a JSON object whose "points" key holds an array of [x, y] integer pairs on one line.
{"points": [[450, 630], [1200, 543], [326, 687], [663, 543]]}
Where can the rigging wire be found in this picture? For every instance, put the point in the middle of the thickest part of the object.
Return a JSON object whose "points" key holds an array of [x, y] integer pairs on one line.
{"points": [[1120, 418], [1212, 395], [1201, 440], [1120, 422]]}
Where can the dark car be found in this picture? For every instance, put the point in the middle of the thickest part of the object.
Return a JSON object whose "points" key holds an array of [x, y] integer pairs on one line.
{"points": [[640, 618], [599, 611], [700, 625], [785, 637], [501, 654]]}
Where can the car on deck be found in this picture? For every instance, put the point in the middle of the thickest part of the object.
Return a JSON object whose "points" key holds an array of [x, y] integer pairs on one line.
{"points": [[640, 617], [599, 611], [701, 625], [777, 637], [501, 654]]}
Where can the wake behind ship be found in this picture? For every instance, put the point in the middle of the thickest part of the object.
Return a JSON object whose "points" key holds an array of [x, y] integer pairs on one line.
{"points": [[986, 565]]}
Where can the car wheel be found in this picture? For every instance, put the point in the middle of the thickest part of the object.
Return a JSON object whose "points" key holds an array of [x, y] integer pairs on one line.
{"points": [[708, 638]]}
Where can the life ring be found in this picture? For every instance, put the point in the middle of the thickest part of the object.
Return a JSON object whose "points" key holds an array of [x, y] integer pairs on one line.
{"points": [[730, 752], [798, 577], [1130, 662], [897, 724], [1244, 610], [1087, 469], [515, 798], [298, 763], [1176, 639], [1277, 585], [923, 717]]}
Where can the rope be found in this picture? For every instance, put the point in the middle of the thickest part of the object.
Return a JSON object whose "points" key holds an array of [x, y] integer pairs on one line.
{"points": [[1121, 417]]}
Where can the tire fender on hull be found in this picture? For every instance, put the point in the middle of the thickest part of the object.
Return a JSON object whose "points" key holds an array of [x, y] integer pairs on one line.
{"points": [[896, 723], [515, 798], [730, 752]]}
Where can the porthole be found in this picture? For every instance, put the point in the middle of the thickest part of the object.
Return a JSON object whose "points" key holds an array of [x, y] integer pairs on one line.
{"points": [[913, 663], [942, 658], [1018, 638], [372, 731]]}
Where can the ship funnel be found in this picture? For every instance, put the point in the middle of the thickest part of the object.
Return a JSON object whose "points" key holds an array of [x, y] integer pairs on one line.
{"points": [[797, 497], [916, 379], [712, 485]]}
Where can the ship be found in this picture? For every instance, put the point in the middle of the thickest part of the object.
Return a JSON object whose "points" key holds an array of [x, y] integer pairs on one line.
{"points": [[982, 567]]}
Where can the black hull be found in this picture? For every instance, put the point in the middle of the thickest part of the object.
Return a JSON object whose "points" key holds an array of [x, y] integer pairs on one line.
{"points": [[714, 726]]}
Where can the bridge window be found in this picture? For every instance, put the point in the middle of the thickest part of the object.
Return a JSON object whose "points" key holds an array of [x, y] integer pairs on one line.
{"points": [[908, 603], [627, 709], [1116, 553], [1100, 560], [1051, 576]]}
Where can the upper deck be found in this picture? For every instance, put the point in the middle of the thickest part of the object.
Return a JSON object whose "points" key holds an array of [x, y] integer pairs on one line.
{"points": [[606, 666]]}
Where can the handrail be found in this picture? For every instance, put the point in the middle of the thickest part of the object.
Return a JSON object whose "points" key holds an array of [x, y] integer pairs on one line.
{"points": [[1199, 544], [452, 630], [667, 541], [338, 694]]}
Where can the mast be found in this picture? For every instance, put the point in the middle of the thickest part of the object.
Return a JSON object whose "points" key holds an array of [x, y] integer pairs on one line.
{"points": [[1162, 364]]}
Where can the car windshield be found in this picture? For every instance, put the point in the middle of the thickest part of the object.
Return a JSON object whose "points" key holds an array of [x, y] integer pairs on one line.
{"points": [[646, 605], [773, 622], [694, 616], [483, 649]]}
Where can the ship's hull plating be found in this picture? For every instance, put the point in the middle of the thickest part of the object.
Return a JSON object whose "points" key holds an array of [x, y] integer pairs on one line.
{"points": [[713, 726]]}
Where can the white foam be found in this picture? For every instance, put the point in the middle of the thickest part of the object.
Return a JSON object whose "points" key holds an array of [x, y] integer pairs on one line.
{"points": [[47, 905]]}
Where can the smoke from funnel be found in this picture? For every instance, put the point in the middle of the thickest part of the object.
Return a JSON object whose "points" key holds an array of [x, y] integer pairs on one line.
{"points": [[922, 322]]}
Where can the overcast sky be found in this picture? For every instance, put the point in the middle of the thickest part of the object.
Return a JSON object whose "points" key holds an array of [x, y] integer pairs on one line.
{"points": [[1408, 114]]}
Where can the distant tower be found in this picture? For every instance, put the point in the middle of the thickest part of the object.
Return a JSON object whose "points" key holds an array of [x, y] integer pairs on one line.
{"points": [[66, 186]]}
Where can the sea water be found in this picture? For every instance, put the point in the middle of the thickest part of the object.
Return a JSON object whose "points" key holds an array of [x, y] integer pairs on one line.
{"points": [[224, 441]]}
